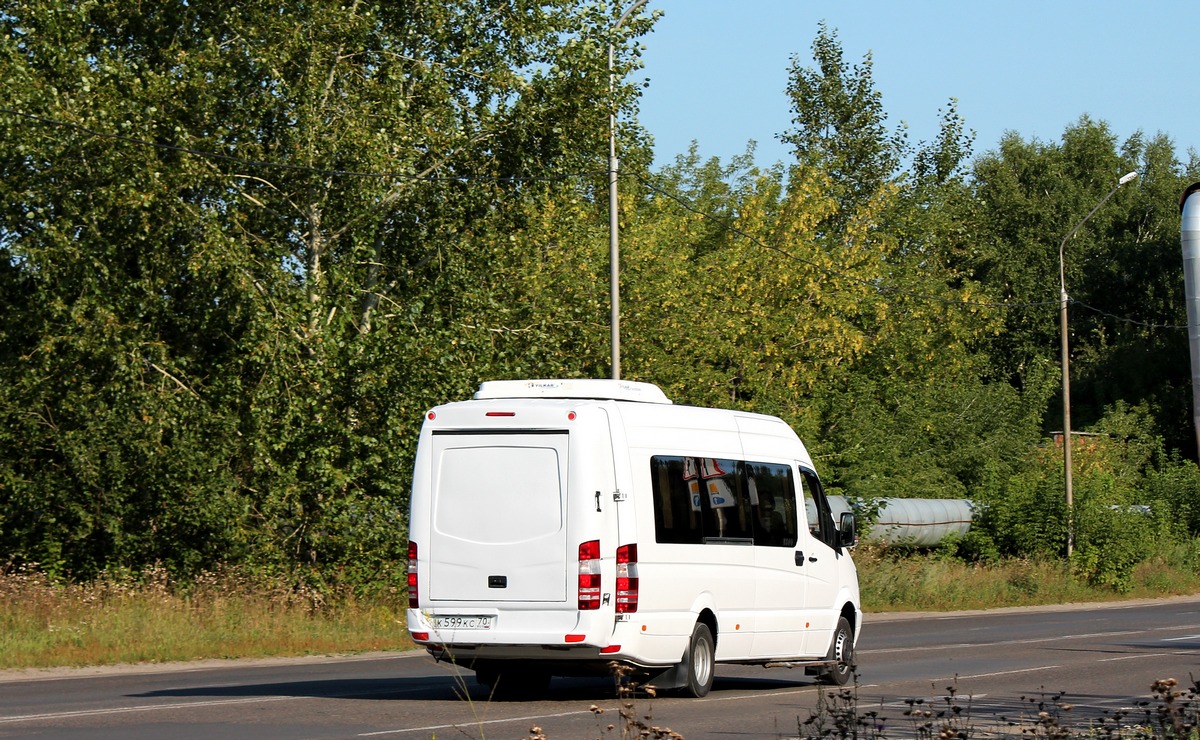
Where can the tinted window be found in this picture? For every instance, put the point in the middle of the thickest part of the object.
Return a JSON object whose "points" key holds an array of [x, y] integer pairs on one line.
{"points": [[719, 483], [676, 513], [816, 509], [773, 496], [705, 499]]}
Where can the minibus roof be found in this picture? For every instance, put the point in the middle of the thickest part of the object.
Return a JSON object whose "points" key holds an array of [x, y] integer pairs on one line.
{"points": [[592, 388]]}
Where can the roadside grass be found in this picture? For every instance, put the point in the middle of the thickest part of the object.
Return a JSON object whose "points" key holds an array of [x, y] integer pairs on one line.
{"points": [[932, 582], [122, 618], [147, 617]]}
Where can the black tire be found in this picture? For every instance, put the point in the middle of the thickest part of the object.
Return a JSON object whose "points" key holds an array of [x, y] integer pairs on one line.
{"points": [[701, 661], [841, 651]]}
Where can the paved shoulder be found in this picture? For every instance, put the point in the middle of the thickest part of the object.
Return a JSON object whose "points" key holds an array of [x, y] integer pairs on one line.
{"points": [[49, 674]]}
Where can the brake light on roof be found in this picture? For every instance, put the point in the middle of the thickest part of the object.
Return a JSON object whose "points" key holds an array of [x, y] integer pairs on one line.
{"points": [[501, 413], [589, 575], [627, 579]]}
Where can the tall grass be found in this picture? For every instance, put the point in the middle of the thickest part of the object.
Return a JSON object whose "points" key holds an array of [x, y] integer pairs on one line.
{"points": [[123, 618], [148, 617], [890, 581]]}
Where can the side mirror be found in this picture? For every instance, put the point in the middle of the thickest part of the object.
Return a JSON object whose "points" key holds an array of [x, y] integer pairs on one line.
{"points": [[847, 531]]}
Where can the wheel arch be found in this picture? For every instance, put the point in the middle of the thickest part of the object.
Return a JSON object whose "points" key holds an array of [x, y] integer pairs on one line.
{"points": [[853, 616], [709, 618]]}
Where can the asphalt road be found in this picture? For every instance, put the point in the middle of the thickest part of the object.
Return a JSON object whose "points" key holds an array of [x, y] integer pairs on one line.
{"points": [[999, 669]]}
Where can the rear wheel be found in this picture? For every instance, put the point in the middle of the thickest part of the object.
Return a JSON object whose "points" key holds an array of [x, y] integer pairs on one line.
{"points": [[842, 652], [701, 661]]}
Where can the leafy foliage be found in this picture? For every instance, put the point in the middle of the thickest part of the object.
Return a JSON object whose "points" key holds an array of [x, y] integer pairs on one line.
{"points": [[246, 243], [248, 246]]}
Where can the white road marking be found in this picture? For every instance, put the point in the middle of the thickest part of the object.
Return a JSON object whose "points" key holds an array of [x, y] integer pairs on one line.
{"points": [[185, 705], [1142, 655], [479, 723], [141, 708], [1005, 673], [535, 717], [1030, 641]]}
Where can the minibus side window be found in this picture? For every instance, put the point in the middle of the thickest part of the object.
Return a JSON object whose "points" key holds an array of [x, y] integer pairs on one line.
{"points": [[700, 500], [772, 493], [724, 496], [677, 514], [817, 511]]}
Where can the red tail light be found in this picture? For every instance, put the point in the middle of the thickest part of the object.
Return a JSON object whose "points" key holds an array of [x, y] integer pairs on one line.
{"points": [[412, 576], [627, 579], [589, 575]]}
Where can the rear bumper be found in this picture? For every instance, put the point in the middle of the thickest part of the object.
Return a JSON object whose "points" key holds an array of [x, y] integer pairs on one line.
{"points": [[551, 636], [510, 628]]}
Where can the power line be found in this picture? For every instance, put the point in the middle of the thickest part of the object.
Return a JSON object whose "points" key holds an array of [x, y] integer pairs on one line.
{"points": [[1126, 320]]}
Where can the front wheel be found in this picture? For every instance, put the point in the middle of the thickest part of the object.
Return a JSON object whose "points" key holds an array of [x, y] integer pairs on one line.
{"points": [[842, 652], [701, 661]]}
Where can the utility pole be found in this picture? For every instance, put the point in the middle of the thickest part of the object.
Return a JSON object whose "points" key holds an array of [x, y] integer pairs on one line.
{"points": [[614, 264], [1066, 364]]}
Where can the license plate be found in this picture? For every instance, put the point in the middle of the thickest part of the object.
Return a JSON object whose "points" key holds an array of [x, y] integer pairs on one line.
{"points": [[463, 622]]}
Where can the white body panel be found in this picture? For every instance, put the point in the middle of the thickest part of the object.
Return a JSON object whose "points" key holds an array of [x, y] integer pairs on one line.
{"points": [[506, 490]]}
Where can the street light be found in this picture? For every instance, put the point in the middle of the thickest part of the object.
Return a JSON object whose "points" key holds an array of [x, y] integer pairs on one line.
{"points": [[614, 265], [1066, 362]]}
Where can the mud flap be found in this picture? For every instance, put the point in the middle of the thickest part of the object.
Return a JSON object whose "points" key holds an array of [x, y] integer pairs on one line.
{"points": [[675, 677]]}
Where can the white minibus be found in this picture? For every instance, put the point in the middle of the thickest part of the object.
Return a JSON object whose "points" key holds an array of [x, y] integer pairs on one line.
{"points": [[559, 526]]}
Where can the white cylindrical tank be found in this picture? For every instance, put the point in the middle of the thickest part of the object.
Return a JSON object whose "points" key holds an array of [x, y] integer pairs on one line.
{"points": [[916, 521]]}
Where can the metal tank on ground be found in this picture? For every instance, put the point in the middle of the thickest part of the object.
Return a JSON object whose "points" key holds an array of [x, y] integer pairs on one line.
{"points": [[924, 522]]}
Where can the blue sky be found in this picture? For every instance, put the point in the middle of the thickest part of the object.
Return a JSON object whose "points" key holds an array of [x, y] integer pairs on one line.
{"points": [[718, 69]]}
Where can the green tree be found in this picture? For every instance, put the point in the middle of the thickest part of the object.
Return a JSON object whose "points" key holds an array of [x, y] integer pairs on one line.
{"points": [[1122, 270], [839, 124], [912, 411], [747, 310], [244, 241]]}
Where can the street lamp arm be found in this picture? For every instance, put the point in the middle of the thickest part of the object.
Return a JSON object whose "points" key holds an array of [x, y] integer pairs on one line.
{"points": [[1062, 247], [628, 12]]}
